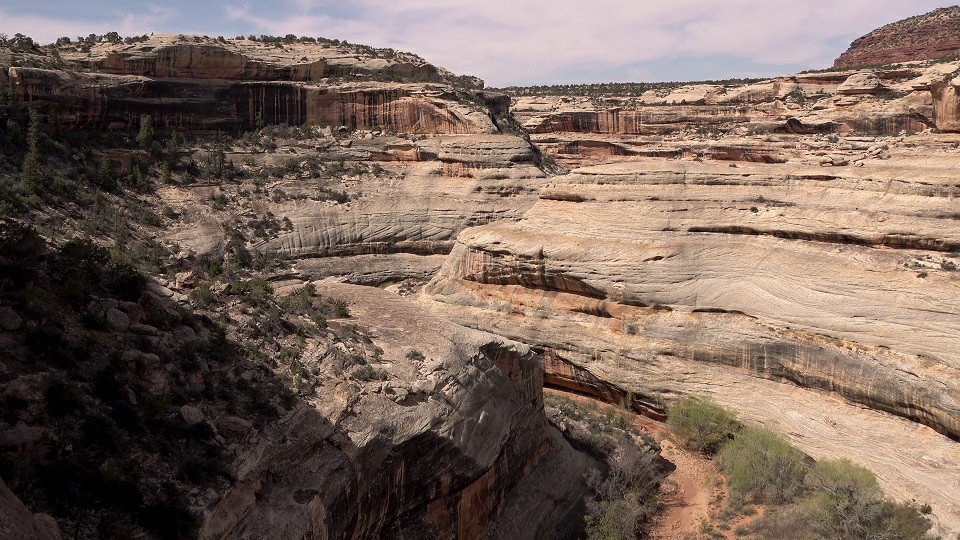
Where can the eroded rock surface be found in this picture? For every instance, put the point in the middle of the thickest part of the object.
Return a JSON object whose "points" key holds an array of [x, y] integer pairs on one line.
{"points": [[453, 442], [731, 121], [198, 83], [16, 521], [924, 37], [758, 284]]}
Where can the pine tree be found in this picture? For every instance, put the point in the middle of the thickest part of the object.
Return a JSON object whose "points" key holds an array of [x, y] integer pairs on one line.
{"points": [[31, 175], [105, 175], [166, 172], [145, 137]]}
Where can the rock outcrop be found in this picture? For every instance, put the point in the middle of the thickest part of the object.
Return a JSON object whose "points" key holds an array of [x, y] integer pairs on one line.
{"points": [[386, 421], [946, 104], [393, 214], [752, 284], [677, 120], [194, 83], [16, 521], [924, 37], [415, 153], [453, 443], [862, 83]]}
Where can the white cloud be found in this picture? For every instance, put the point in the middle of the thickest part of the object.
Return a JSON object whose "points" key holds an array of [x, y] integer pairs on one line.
{"points": [[509, 41], [45, 29]]}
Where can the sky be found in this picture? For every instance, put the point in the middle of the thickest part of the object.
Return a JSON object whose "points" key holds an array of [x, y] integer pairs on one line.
{"points": [[515, 42]]}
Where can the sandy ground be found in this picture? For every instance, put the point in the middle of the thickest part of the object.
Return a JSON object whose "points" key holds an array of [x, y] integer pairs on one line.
{"points": [[685, 495]]}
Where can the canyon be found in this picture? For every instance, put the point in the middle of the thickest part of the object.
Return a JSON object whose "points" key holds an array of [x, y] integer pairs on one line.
{"points": [[788, 247]]}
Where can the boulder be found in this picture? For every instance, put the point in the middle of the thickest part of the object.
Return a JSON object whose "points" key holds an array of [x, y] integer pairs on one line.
{"points": [[117, 320], [9, 320], [22, 435], [233, 427], [191, 415], [865, 82], [16, 520]]}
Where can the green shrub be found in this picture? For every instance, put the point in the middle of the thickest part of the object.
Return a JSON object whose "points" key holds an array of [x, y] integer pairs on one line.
{"points": [[146, 133], [31, 172], [761, 466], [369, 373], [336, 308], [257, 290], [704, 425], [124, 280], [203, 296], [848, 503]]}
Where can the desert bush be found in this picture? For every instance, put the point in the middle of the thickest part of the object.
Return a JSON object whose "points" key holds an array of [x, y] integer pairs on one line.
{"points": [[848, 503], [704, 425], [761, 466], [843, 501], [203, 296], [256, 291], [369, 373]]}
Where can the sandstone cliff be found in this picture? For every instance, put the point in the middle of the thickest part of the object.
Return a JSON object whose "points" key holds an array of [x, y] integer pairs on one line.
{"points": [[454, 439], [786, 246], [194, 83], [754, 284], [132, 414], [924, 37], [674, 120]]}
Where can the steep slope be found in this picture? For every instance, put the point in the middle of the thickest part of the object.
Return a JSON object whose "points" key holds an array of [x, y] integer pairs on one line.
{"points": [[207, 405], [758, 285], [191, 82], [924, 37], [373, 158]]}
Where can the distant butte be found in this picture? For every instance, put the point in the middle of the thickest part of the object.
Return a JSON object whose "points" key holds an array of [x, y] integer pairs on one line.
{"points": [[924, 37]]}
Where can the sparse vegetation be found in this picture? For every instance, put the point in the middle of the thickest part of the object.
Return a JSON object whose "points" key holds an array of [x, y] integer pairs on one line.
{"points": [[762, 467], [369, 373], [631, 89], [832, 500], [623, 496], [703, 424]]}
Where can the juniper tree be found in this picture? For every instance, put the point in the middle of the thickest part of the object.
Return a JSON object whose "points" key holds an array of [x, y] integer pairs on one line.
{"points": [[30, 173]]}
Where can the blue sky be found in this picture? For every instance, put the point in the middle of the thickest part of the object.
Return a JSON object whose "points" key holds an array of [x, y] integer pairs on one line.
{"points": [[516, 41]]}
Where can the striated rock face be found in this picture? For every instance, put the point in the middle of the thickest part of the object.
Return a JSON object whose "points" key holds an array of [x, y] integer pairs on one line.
{"points": [[673, 121], [89, 100], [178, 56], [16, 521], [924, 37], [395, 223], [769, 287], [193, 83], [946, 104], [454, 444], [448, 155]]}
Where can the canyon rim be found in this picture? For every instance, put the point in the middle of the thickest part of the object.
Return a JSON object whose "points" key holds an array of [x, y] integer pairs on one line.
{"points": [[294, 287]]}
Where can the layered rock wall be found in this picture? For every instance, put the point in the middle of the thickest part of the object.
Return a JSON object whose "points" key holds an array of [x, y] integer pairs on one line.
{"points": [[924, 37], [193, 83], [88, 100], [758, 284], [454, 441]]}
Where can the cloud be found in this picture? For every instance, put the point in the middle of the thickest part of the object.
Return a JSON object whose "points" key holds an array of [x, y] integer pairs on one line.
{"points": [[46, 29], [519, 41], [525, 40]]}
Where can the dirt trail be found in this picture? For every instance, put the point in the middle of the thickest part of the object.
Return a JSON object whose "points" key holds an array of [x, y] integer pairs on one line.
{"points": [[685, 495]]}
